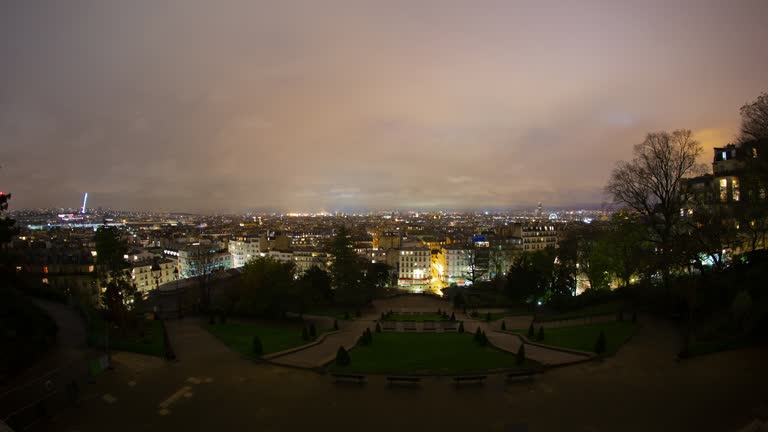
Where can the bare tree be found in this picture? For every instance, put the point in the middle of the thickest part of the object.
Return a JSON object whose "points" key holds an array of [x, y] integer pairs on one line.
{"points": [[651, 184], [754, 119]]}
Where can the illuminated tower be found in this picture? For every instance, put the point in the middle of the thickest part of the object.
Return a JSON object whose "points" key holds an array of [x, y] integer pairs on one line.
{"points": [[538, 210], [85, 200]]}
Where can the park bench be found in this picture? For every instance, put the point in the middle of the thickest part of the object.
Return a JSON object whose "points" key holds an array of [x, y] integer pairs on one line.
{"points": [[475, 379], [403, 380], [521, 375], [349, 377]]}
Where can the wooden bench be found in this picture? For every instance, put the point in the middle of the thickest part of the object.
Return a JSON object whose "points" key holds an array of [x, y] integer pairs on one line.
{"points": [[349, 377], [403, 380], [521, 375], [475, 379]]}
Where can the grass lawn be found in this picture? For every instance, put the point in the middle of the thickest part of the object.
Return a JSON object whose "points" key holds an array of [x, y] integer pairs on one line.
{"points": [[499, 315], [413, 353], [335, 314], [420, 317], [150, 344], [275, 336], [601, 309], [583, 338]]}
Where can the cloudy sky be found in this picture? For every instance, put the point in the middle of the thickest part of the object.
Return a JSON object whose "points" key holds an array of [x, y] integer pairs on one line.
{"points": [[192, 105]]}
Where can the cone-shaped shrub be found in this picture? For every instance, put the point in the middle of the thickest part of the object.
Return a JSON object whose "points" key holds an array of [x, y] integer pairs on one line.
{"points": [[258, 349], [478, 335], [312, 330], [520, 358], [634, 317], [335, 325], [503, 325], [378, 328], [600, 345], [342, 357], [346, 315], [461, 326], [531, 331], [541, 333], [487, 316], [304, 333], [453, 316]]}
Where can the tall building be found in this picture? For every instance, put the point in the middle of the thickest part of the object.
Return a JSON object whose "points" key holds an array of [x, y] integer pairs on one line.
{"points": [[414, 266], [244, 250], [458, 263], [198, 260]]}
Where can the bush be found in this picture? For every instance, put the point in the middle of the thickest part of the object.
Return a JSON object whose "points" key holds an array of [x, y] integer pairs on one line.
{"points": [[540, 336], [461, 326], [342, 357], [366, 338], [304, 333], [440, 312], [335, 325], [487, 316], [520, 358], [483, 338], [383, 316], [503, 325], [258, 349], [346, 315], [531, 331], [312, 330], [600, 345], [453, 316], [378, 328], [358, 313], [478, 334]]}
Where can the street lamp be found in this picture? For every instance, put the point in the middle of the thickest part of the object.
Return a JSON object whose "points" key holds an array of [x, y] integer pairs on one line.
{"points": [[157, 271]]}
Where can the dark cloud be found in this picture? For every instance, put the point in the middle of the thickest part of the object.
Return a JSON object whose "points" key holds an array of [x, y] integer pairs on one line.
{"points": [[304, 105]]}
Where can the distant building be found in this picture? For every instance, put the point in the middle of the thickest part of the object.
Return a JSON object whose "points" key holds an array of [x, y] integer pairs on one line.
{"points": [[199, 260], [414, 266], [387, 240], [143, 276], [533, 236], [305, 260], [244, 250], [458, 263]]}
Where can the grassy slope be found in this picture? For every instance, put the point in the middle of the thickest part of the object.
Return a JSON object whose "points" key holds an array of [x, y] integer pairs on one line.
{"points": [[584, 337], [406, 353], [274, 336]]}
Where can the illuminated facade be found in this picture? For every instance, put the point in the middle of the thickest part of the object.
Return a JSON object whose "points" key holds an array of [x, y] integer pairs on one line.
{"points": [[198, 260], [243, 250], [414, 266]]}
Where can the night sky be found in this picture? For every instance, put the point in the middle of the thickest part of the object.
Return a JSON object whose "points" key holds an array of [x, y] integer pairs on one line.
{"points": [[194, 105]]}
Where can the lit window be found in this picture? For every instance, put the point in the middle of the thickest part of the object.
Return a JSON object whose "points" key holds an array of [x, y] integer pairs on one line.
{"points": [[724, 156], [735, 189], [723, 189]]}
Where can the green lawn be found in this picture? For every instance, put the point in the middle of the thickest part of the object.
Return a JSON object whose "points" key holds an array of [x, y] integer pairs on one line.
{"points": [[499, 315], [420, 317], [583, 338], [275, 336], [336, 314], [413, 353], [602, 309], [151, 343]]}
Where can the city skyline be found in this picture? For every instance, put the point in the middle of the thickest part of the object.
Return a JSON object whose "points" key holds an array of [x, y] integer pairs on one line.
{"points": [[195, 107]]}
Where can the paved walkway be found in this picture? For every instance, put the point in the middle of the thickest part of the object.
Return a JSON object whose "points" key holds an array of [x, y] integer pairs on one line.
{"points": [[325, 352], [319, 355], [211, 387]]}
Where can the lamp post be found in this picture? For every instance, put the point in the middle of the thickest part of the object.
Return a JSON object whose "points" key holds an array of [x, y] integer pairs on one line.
{"points": [[157, 271]]}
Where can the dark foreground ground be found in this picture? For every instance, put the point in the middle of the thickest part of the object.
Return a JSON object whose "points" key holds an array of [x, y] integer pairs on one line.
{"points": [[212, 388]]}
